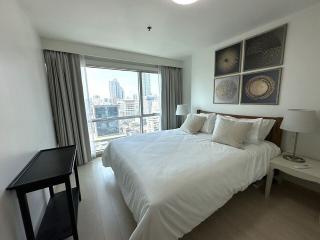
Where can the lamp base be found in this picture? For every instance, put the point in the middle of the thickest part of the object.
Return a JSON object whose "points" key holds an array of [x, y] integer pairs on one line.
{"points": [[293, 158]]}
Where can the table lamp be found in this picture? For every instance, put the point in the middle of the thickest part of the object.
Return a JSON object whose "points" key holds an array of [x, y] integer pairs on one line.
{"points": [[182, 110], [298, 121]]}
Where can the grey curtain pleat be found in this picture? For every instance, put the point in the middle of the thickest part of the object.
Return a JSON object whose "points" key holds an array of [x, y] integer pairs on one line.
{"points": [[171, 96], [66, 94]]}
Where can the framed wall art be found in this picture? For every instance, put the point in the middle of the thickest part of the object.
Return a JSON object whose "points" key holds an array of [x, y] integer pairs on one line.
{"points": [[261, 87], [265, 50], [228, 60], [226, 90]]}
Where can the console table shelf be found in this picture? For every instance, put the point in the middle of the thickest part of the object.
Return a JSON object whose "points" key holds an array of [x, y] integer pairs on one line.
{"points": [[47, 168], [56, 221]]}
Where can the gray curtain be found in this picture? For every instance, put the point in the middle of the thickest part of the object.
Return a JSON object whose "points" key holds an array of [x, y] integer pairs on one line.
{"points": [[171, 96], [66, 94]]}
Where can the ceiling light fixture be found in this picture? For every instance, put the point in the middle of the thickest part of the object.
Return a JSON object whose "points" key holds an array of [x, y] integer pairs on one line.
{"points": [[184, 2]]}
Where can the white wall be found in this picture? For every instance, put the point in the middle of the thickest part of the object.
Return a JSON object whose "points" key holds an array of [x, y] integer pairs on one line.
{"points": [[186, 76], [108, 53], [300, 87], [25, 114]]}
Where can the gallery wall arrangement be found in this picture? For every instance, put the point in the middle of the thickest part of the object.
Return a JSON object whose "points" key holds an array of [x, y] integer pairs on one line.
{"points": [[255, 77]]}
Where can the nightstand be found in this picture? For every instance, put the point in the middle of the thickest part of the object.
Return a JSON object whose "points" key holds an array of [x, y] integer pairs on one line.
{"points": [[310, 174]]}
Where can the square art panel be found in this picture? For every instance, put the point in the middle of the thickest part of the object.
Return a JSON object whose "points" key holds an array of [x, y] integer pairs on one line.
{"points": [[228, 60], [226, 90], [265, 50], [261, 87]]}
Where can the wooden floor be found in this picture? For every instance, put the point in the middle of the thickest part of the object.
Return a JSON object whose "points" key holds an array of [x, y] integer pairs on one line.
{"points": [[291, 213]]}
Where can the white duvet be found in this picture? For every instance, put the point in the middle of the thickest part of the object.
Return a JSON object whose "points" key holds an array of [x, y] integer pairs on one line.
{"points": [[172, 181]]}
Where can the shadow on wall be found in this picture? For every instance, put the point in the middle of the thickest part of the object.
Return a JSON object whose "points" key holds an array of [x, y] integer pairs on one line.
{"points": [[11, 225]]}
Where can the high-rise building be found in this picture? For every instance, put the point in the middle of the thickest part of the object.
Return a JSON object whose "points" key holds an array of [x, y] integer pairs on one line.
{"points": [[106, 127], [146, 84], [96, 100], [148, 103], [129, 107], [116, 91], [153, 124]]}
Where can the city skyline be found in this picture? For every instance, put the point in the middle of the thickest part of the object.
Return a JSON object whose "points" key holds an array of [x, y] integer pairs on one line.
{"points": [[128, 80]]}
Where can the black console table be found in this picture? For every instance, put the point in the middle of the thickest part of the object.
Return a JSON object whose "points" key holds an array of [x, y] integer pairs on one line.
{"points": [[48, 168]]}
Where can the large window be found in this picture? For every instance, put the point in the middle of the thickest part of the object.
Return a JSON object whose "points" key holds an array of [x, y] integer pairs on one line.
{"points": [[121, 103]]}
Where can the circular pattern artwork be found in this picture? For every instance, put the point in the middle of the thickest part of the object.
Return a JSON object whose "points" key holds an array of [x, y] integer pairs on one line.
{"points": [[266, 49], [260, 87], [228, 60], [227, 90]]}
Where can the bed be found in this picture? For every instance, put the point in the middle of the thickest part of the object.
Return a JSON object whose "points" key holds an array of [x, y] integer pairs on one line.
{"points": [[172, 180]]}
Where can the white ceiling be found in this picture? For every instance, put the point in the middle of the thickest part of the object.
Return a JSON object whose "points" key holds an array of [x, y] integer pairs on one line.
{"points": [[177, 30]]}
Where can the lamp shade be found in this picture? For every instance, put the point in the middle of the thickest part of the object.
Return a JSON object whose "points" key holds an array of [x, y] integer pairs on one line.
{"points": [[182, 110], [299, 120]]}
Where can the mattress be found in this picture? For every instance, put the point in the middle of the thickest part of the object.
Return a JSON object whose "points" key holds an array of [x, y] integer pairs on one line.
{"points": [[172, 181]]}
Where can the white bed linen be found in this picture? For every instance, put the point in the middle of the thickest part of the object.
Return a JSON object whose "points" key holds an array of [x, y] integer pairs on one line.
{"points": [[172, 181]]}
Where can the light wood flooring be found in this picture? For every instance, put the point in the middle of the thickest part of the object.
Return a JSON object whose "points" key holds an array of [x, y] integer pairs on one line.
{"points": [[291, 213]]}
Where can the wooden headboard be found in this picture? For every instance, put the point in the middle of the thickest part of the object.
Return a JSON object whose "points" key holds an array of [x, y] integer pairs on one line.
{"points": [[275, 134]]}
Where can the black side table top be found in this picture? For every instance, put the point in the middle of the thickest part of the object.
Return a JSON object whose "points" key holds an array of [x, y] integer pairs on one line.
{"points": [[46, 164]]}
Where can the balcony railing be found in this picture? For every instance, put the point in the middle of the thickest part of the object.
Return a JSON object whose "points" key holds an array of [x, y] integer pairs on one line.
{"points": [[108, 119], [124, 126]]}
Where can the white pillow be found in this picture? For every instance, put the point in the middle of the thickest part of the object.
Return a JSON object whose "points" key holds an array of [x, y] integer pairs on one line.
{"points": [[266, 127], [254, 132], [209, 123], [230, 132], [193, 123]]}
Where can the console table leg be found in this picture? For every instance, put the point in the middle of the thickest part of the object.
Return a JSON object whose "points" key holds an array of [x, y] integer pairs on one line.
{"points": [[25, 213], [51, 191], [71, 210], [77, 178]]}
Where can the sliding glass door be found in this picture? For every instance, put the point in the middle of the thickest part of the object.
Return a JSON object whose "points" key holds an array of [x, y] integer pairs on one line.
{"points": [[121, 103]]}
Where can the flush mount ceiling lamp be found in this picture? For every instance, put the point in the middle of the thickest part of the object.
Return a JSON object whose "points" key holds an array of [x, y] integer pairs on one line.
{"points": [[184, 2]]}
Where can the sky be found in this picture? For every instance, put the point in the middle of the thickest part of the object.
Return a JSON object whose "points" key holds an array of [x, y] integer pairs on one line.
{"points": [[98, 79]]}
